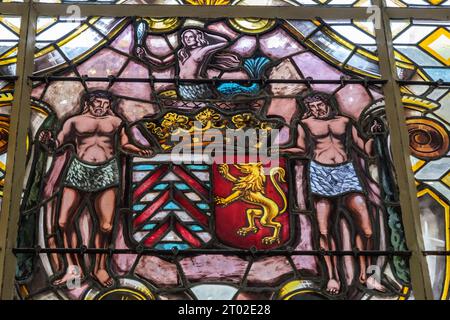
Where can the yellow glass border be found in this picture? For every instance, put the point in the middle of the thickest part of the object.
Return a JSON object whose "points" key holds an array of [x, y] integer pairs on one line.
{"points": [[431, 193]]}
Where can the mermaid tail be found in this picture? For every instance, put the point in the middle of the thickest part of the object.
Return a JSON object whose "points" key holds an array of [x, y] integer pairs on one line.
{"points": [[230, 89], [255, 68]]}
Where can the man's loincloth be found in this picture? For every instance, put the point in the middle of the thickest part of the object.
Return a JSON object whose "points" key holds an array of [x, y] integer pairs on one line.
{"points": [[195, 91], [330, 181], [90, 178]]}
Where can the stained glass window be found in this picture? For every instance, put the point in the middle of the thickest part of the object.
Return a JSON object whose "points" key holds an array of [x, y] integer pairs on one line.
{"points": [[423, 54], [209, 157], [191, 226]]}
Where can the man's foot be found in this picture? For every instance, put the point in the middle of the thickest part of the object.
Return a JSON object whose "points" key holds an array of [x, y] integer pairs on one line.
{"points": [[333, 286], [103, 277], [70, 275], [372, 283]]}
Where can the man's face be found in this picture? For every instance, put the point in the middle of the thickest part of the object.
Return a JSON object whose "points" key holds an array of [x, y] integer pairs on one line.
{"points": [[99, 107], [319, 109], [189, 39]]}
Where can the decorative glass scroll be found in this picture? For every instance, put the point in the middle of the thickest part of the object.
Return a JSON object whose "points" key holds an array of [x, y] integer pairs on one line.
{"points": [[423, 51], [427, 120], [126, 157]]}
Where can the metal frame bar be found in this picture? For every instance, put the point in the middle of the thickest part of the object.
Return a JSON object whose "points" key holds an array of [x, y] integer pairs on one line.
{"points": [[20, 114], [112, 79], [15, 166], [84, 250], [285, 12], [420, 280], [435, 253]]}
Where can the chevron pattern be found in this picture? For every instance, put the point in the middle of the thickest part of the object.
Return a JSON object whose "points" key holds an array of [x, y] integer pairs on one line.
{"points": [[171, 205]]}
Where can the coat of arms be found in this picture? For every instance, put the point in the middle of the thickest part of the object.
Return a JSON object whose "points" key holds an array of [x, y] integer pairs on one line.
{"points": [[251, 205]]}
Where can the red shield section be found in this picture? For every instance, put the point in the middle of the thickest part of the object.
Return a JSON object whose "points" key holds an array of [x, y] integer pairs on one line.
{"points": [[264, 207]]}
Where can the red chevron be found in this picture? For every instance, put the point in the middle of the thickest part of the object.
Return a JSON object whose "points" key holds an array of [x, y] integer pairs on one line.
{"points": [[189, 207], [194, 184], [149, 182], [151, 209], [187, 235], [156, 235]]}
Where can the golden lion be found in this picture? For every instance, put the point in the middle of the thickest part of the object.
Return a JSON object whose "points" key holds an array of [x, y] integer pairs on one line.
{"points": [[251, 188]]}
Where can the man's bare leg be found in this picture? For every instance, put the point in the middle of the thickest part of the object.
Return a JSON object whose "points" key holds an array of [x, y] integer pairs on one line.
{"points": [[356, 203], [323, 209], [70, 201], [52, 230], [105, 207]]}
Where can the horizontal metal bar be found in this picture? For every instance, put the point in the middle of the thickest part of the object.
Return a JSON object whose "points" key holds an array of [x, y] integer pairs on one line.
{"points": [[282, 12], [439, 83], [427, 13], [285, 12], [183, 81], [13, 8], [144, 10], [435, 253], [9, 78], [190, 252]]}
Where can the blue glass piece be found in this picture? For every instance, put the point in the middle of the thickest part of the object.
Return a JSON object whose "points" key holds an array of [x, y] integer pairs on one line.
{"points": [[182, 186], [170, 245], [439, 73], [195, 227], [144, 167], [203, 206], [160, 186], [171, 206], [149, 226], [197, 167], [139, 207]]}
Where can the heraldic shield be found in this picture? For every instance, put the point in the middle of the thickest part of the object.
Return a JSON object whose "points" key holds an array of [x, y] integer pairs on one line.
{"points": [[251, 204]]}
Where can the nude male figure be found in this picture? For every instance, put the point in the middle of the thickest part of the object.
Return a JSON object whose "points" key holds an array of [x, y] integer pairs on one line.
{"points": [[92, 174], [328, 138]]}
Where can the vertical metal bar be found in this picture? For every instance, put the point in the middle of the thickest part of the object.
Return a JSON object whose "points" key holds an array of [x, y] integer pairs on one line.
{"points": [[420, 279], [15, 166]]}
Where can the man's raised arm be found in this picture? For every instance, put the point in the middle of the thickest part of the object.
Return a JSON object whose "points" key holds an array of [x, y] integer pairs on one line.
{"points": [[221, 43]]}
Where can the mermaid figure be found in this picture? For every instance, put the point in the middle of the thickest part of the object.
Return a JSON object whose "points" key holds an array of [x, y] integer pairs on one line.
{"points": [[199, 51], [193, 58]]}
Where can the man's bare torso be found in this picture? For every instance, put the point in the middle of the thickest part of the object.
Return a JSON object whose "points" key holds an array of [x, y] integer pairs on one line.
{"points": [[94, 137], [329, 137]]}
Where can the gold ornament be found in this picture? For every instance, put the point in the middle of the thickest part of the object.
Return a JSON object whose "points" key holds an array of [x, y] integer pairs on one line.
{"points": [[252, 25], [428, 139], [162, 25]]}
